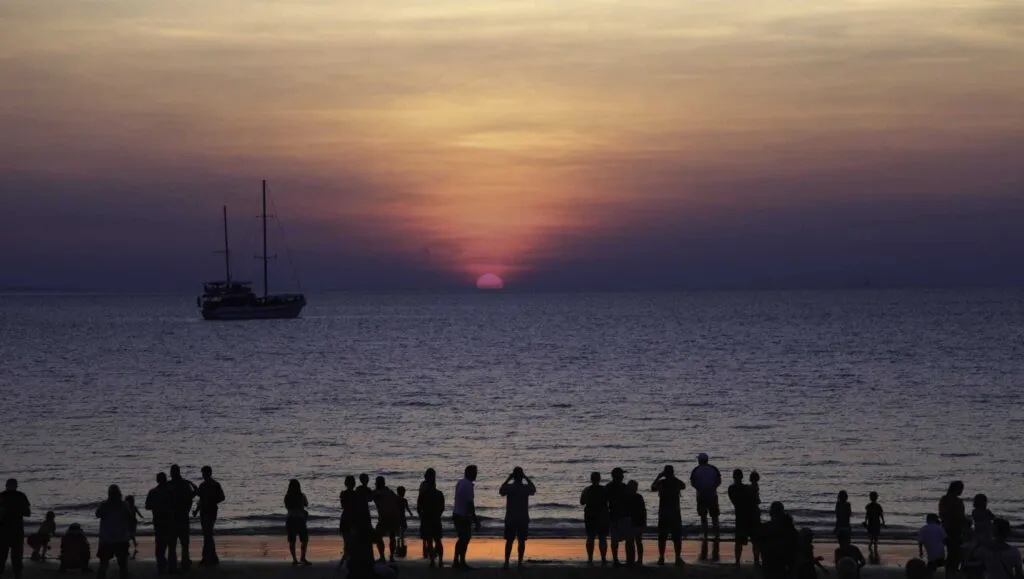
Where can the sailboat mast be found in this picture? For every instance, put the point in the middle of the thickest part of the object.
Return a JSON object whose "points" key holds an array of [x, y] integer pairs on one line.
{"points": [[265, 257], [227, 254]]}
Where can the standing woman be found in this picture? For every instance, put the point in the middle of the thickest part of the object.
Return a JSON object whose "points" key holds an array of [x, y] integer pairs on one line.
{"points": [[296, 504], [115, 531], [844, 512]]}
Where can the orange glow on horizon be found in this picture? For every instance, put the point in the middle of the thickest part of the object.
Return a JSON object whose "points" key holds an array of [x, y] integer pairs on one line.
{"points": [[476, 136]]}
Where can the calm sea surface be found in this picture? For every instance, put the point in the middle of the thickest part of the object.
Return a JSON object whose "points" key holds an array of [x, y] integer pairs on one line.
{"points": [[897, 392]]}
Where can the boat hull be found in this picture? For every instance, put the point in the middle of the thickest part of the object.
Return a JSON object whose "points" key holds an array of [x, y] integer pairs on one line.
{"points": [[254, 312]]}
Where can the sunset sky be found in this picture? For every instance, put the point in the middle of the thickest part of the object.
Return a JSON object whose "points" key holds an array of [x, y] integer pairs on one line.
{"points": [[561, 144]]}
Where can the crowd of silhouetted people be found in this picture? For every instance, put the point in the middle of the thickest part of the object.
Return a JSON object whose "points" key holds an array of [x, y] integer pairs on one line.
{"points": [[614, 515]]}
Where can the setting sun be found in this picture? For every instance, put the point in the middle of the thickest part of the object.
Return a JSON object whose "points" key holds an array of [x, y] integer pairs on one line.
{"points": [[489, 281]]}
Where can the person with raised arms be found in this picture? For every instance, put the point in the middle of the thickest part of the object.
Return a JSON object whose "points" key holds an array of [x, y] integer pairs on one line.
{"points": [[517, 490], [670, 519]]}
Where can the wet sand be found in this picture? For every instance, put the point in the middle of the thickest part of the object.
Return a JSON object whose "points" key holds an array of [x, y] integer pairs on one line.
{"points": [[265, 556]]}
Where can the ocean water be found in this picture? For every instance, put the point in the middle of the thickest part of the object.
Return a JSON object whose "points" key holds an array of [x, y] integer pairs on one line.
{"points": [[897, 392]]}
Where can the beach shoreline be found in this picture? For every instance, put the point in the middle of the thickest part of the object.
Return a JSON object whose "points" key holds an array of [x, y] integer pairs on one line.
{"points": [[485, 550]]}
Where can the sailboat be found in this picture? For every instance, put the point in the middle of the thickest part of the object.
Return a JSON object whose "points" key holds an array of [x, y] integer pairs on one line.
{"points": [[235, 300]]}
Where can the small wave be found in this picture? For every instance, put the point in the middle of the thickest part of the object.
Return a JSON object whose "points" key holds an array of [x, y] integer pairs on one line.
{"points": [[755, 427], [555, 506], [960, 455], [75, 506], [417, 404], [561, 405]]}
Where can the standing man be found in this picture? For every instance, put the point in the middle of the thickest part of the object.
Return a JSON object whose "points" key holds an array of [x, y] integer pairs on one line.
{"points": [[464, 516], [517, 511], [670, 520], [389, 515], [160, 504], [619, 502], [595, 517], [706, 479], [742, 498], [14, 507], [183, 491], [430, 508], [953, 514], [210, 495]]}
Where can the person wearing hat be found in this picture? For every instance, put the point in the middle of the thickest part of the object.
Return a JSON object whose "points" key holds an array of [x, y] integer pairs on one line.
{"points": [[621, 518], [517, 490], [705, 479]]}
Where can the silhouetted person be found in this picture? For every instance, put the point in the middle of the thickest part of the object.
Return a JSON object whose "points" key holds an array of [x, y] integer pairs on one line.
{"points": [[670, 519], [403, 524], [596, 517], [364, 487], [430, 508], [954, 520], [844, 513], [982, 518], [134, 527], [847, 550], [115, 521], [347, 499], [295, 504], [742, 498], [517, 490], [356, 524], [40, 540], [1002, 561], [807, 562], [14, 507], [389, 516], [874, 520], [183, 491], [916, 569], [638, 514], [622, 523], [160, 503], [705, 479], [932, 539], [74, 550], [755, 494], [210, 495], [780, 544], [464, 516]]}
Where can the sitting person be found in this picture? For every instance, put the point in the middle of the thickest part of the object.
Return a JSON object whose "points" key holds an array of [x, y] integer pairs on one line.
{"points": [[847, 550], [40, 540], [74, 550]]}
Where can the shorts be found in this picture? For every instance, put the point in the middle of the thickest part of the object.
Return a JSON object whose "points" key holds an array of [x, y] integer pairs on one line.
{"points": [[37, 540], [463, 527], [874, 529], [431, 529], [934, 564], [745, 531], [708, 505], [622, 529], [296, 528], [596, 526], [386, 527], [108, 551], [516, 530], [670, 527]]}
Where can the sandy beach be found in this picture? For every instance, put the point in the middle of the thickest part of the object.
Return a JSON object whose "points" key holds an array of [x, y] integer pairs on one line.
{"points": [[266, 557]]}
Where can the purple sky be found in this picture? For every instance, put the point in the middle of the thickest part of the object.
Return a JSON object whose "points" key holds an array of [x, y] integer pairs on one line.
{"points": [[574, 145]]}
